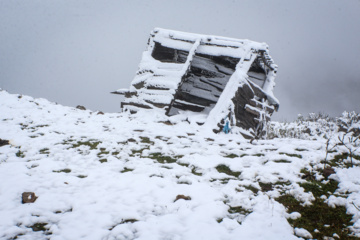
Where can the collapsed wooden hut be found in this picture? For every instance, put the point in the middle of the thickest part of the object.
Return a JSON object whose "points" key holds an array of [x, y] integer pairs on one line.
{"points": [[229, 80]]}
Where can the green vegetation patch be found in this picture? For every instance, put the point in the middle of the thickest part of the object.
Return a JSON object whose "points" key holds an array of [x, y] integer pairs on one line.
{"points": [[340, 160], [291, 155], [37, 227], [300, 149], [44, 151], [20, 154], [92, 144], [320, 216], [146, 140], [318, 189], [232, 155], [163, 158], [193, 171], [239, 210], [251, 188], [327, 220], [130, 220], [127, 170], [225, 169], [65, 170], [259, 155], [139, 151], [115, 153], [265, 187], [101, 153], [282, 161]]}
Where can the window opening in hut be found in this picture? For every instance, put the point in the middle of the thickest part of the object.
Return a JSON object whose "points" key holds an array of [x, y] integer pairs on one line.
{"points": [[166, 54]]}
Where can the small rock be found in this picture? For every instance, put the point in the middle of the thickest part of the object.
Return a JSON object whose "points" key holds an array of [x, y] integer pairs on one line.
{"points": [[28, 197], [178, 197], [80, 107], [4, 142], [328, 171], [100, 113]]}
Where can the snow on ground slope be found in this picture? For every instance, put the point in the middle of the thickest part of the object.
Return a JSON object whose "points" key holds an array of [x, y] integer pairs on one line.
{"points": [[146, 176]]}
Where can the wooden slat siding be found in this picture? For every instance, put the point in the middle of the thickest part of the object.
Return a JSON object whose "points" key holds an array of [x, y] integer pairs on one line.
{"points": [[184, 106], [252, 111], [123, 104], [203, 84], [153, 87], [159, 105], [261, 105], [247, 117]]}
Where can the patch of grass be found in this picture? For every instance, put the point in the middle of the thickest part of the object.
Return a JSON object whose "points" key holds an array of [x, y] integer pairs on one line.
{"points": [[131, 140], [265, 187], [259, 155], [23, 126], [155, 175], [251, 188], [65, 170], [243, 155], [219, 220], [101, 153], [307, 175], [339, 160], [115, 153], [130, 220], [271, 149], [193, 171], [239, 210], [44, 151], [183, 164], [127, 170], [225, 169], [41, 126], [164, 159], [300, 149], [232, 155], [81, 176], [20, 154], [291, 155], [140, 151], [282, 185], [92, 144], [39, 227], [316, 216], [146, 140], [282, 161], [318, 189]]}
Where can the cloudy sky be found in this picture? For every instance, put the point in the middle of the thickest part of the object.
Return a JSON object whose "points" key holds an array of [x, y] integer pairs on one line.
{"points": [[76, 52]]}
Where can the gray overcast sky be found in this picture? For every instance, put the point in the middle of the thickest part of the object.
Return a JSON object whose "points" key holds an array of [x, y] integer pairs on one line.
{"points": [[76, 52]]}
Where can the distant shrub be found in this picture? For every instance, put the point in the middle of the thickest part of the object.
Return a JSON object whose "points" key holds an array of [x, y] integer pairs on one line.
{"points": [[315, 125]]}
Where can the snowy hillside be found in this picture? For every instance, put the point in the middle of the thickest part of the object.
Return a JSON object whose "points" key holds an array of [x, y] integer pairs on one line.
{"points": [[148, 176]]}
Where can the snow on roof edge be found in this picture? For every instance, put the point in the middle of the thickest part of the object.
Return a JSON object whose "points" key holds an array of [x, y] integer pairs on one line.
{"points": [[159, 33]]}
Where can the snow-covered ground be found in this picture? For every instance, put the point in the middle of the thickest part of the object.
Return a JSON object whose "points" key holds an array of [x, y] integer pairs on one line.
{"points": [[121, 176]]}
